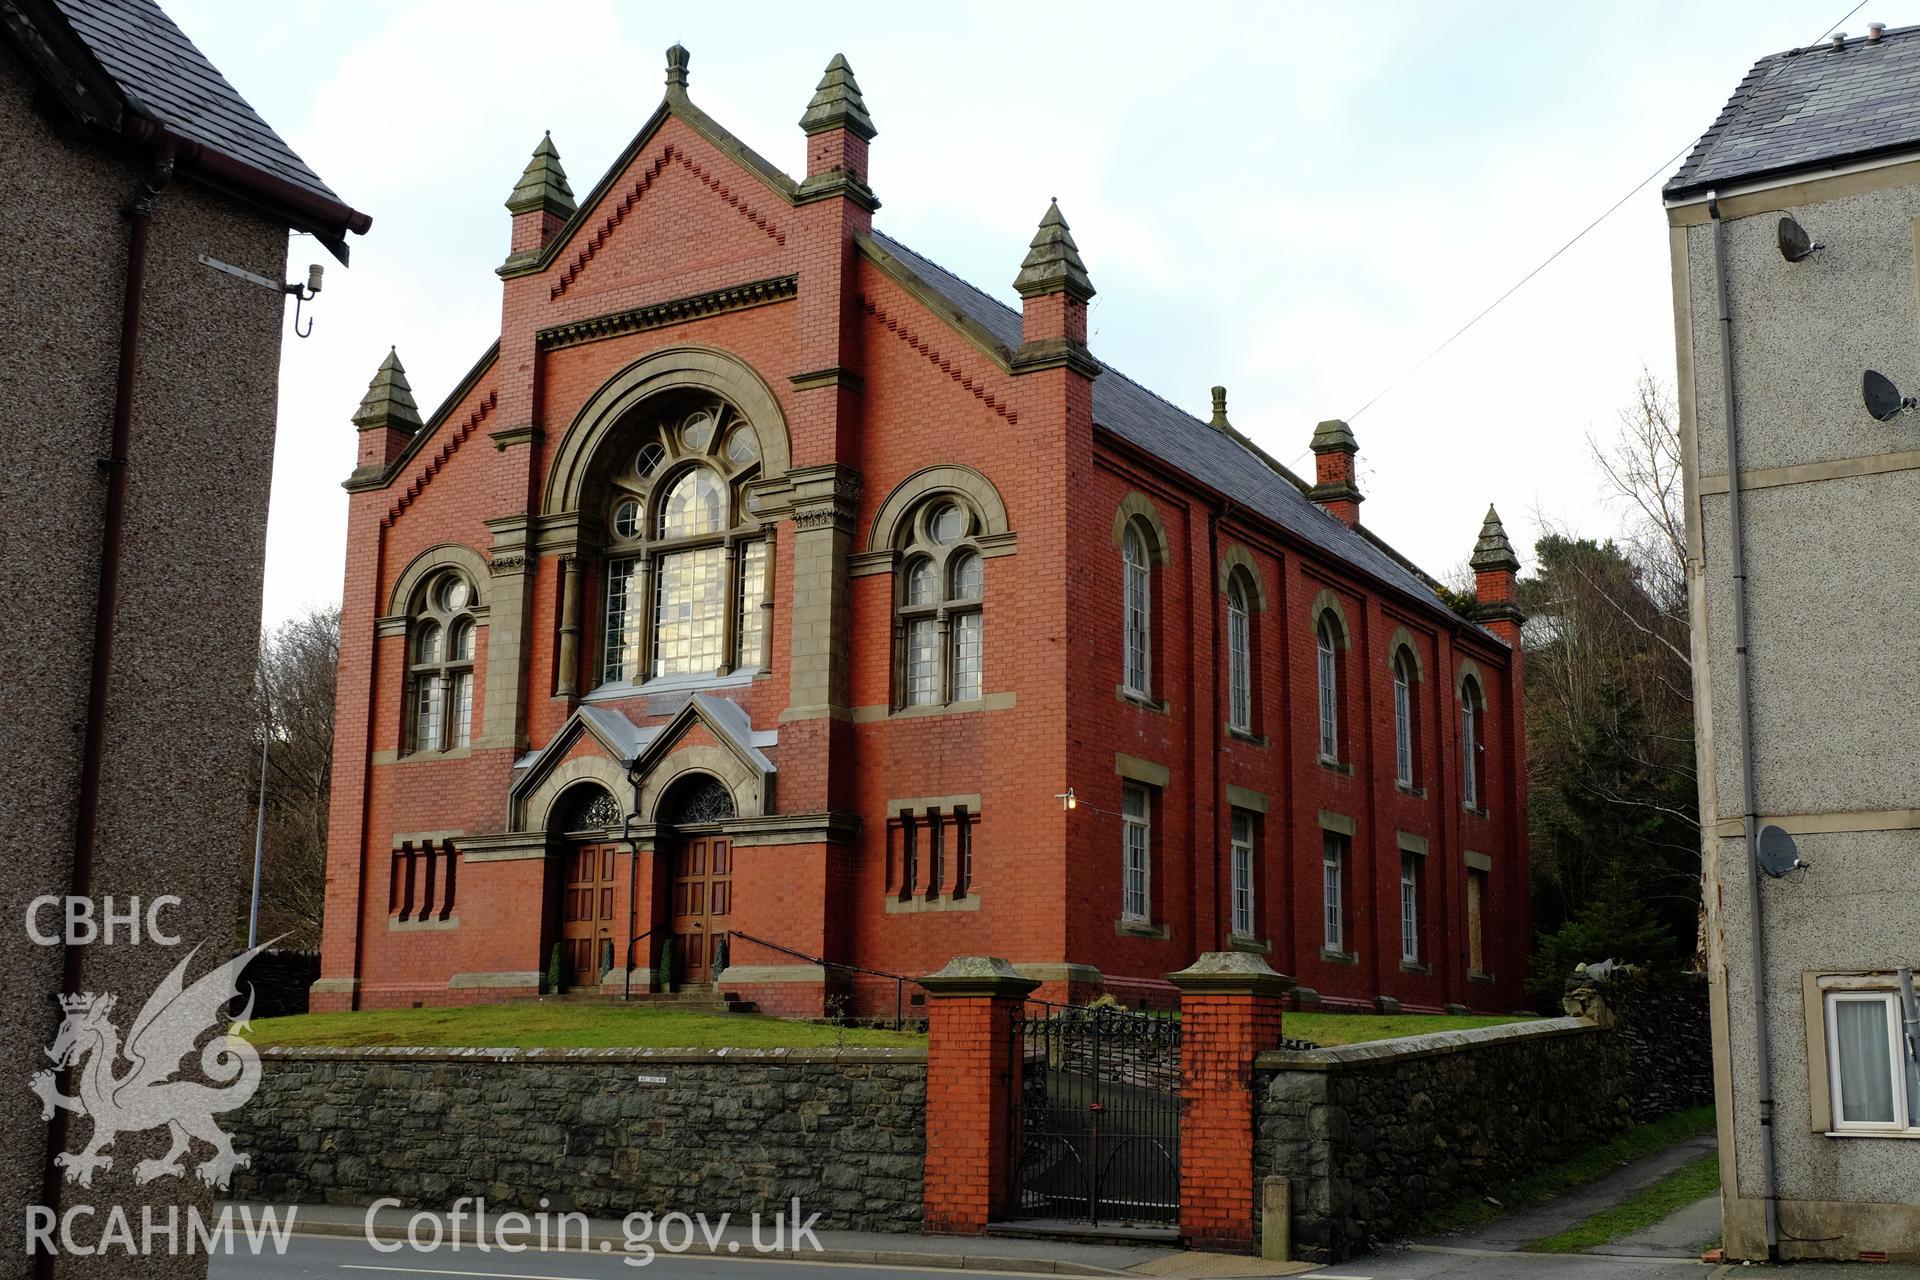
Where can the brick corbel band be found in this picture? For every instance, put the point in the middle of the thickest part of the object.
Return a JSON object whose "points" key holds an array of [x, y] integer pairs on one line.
{"points": [[973, 1076], [1229, 1013]]}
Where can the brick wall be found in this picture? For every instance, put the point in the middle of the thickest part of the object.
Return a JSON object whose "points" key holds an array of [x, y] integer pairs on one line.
{"points": [[607, 1132]]}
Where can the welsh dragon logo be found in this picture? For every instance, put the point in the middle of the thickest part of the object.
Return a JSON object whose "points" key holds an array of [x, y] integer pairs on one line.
{"points": [[144, 1094]]}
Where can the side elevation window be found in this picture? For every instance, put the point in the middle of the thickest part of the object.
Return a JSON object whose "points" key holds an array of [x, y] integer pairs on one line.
{"points": [[940, 638], [1472, 749], [440, 665], [1239, 656], [1243, 852], [1409, 908], [1137, 610], [1333, 885], [1136, 853], [1405, 725], [1476, 923], [1328, 642], [1875, 1087]]}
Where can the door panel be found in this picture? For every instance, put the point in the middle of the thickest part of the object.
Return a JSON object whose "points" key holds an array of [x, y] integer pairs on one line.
{"points": [[702, 899], [586, 915]]}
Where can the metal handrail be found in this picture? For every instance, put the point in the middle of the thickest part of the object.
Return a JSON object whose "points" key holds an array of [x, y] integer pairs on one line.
{"points": [[633, 942], [899, 980]]}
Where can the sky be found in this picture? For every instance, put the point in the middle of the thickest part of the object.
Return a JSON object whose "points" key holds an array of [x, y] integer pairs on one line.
{"points": [[1299, 201]]}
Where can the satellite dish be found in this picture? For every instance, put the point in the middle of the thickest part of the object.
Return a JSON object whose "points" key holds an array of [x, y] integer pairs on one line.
{"points": [[1776, 852], [1882, 398], [1795, 244]]}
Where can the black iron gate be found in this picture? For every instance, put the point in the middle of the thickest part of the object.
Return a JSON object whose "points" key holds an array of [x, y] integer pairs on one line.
{"points": [[1096, 1132]]}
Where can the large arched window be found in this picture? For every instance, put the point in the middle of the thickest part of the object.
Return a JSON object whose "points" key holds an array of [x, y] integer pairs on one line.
{"points": [[940, 641], [1326, 647], [1406, 727], [685, 586], [1137, 611], [1239, 657], [1472, 749], [440, 642]]}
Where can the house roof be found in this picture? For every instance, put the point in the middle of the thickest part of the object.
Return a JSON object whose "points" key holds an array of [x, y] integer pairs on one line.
{"points": [[122, 65], [1217, 459], [1811, 109]]}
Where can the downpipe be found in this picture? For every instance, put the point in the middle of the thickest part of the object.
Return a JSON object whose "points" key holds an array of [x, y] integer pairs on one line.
{"points": [[1743, 714]]}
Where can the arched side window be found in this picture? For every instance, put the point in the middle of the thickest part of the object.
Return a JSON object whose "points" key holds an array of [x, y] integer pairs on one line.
{"points": [[440, 645], [1239, 656], [939, 627], [1326, 647], [1406, 725], [1473, 750], [685, 581], [1137, 611]]}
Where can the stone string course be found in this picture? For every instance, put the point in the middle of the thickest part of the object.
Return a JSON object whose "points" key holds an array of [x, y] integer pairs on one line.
{"points": [[734, 1131]]}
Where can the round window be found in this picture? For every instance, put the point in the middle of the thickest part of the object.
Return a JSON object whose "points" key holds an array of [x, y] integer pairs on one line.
{"points": [[649, 460], [948, 524], [626, 518], [698, 432], [454, 593], [742, 446]]}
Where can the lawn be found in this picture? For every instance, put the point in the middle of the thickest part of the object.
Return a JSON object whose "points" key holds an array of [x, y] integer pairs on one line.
{"points": [[1558, 1180], [1688, 1183], [542, 1025], [534, 1025]]}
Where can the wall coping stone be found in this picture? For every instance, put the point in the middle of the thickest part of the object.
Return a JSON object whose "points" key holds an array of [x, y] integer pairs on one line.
{"points": [[1407, 1048], [593, 1057]]}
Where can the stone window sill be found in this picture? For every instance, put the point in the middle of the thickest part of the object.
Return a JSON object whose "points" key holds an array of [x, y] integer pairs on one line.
{"points": [[1336, 766], [1144, 701], [1251, 739], [1418, 793], [1475, 810], [1257, 946], [422, 757], [1141, 929], [1339, 957], [611, 691], [395, 925], [897, 906], [1474, 975], [1905, 1134], [1415, 966]]}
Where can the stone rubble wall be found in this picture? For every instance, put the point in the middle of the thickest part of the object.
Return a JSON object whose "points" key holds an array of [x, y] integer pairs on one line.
{"points": [[607, 1132]]}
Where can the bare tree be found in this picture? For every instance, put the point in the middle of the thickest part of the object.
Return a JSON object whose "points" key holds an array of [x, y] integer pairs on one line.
{"points": [[1641, 465], [294, 690]]}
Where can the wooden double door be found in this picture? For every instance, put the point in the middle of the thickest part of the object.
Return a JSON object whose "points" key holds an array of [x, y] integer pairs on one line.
{"points": [[587, 924], [700, 902]]}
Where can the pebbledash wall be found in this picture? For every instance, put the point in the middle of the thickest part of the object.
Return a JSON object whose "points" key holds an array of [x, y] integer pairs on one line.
{"points": [[604, 1131], [1375, 1136]]}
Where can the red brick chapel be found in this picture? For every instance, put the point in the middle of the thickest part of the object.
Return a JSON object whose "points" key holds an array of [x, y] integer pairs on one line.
{"points": [[769, 600]]}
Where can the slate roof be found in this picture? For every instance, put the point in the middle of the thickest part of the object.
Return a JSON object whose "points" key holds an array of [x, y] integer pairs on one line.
{"points": [[1811, 109], [157, 74], [1141, 418]]}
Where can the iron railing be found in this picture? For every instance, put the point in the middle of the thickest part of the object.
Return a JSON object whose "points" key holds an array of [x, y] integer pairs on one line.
{"points": [[899, 980]]}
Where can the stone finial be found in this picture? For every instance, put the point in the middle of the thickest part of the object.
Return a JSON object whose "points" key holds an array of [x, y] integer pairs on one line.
{"points": [[837, 103], [1219, 420], [543, 184], [1493, 553], [1052, 264], [677, 59], [389, 399], [1334, 436], [1231, 972]]}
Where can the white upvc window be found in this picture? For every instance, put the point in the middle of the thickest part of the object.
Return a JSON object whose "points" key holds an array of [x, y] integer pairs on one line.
{"points": [[1333, 875], [1136, 817], [1138, 612], [1402, 721], [1243, 873], [1329, 691], [1239, 660], [1410, 908], [1875, 1089]]}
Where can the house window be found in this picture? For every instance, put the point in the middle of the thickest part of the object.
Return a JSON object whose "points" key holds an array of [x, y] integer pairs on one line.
{"points": [[1333, 864], [1473, 751], [930, 851], [1136, 901], [1476, 911], [1327, 664], [1243, 842], [684, 591], [1239, 658], [422, 882], [1137, 609], [941, 644], [1875, 1088], [1409, 908], [440, 665], [1403, 723]]}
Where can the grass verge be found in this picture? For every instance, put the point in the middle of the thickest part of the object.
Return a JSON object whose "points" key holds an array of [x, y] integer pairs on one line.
{"points": [[534, 1025], [1557, 1180], [1640, 1210], [1329, 1029]]}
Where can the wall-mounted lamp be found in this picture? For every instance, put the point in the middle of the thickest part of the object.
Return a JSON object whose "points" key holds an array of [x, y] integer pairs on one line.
{"points": [[304, 294], [1068, 800]]}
